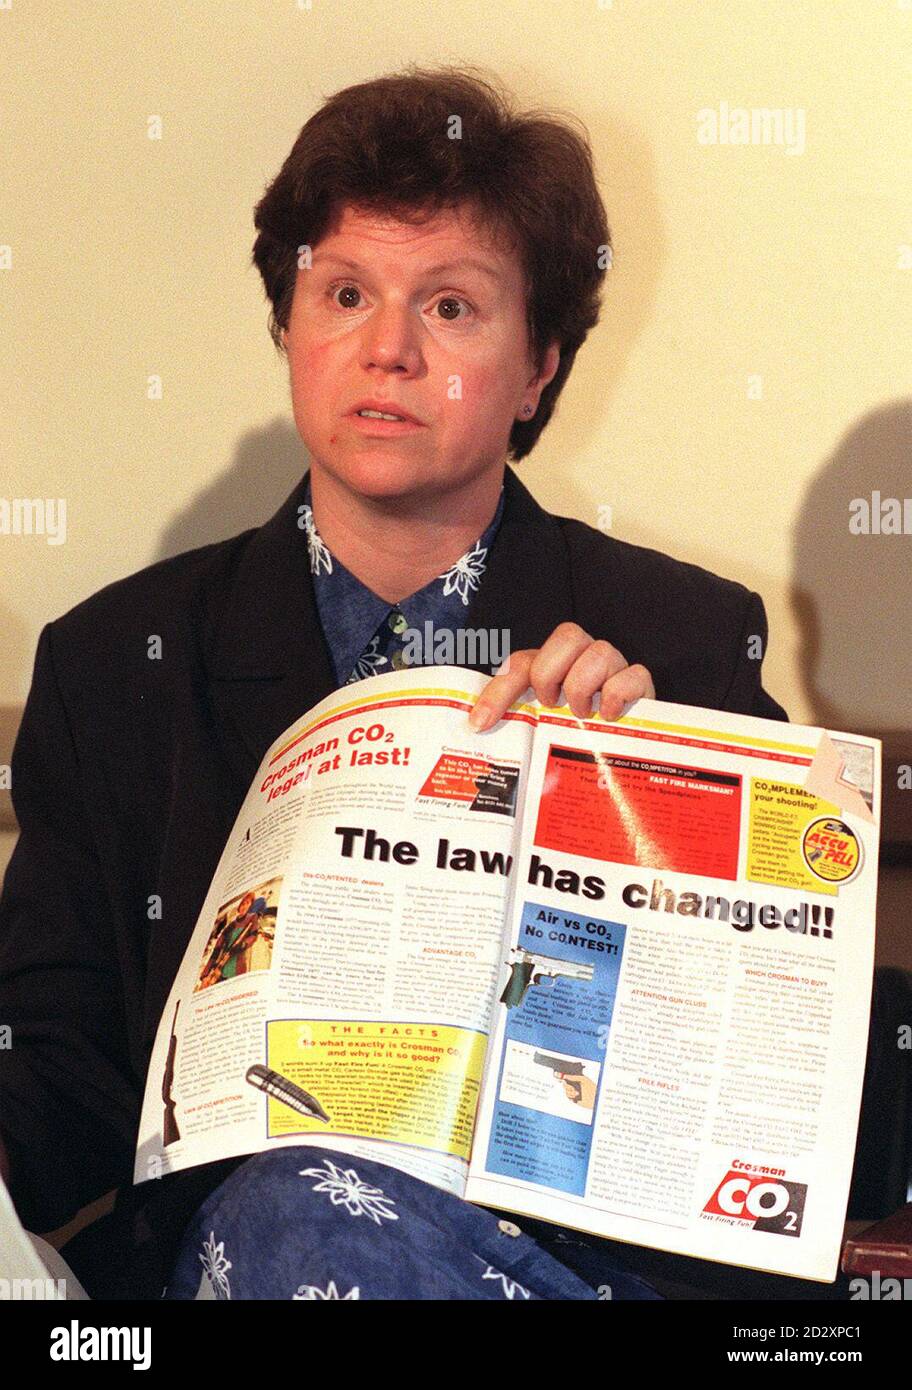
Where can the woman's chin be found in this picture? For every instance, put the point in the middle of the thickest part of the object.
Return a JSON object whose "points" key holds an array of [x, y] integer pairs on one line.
{"points": [[382, 473]]}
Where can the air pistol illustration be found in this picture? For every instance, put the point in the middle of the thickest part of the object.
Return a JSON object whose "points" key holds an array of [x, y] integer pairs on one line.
{"points": [[528, 968], [563, 1069]]}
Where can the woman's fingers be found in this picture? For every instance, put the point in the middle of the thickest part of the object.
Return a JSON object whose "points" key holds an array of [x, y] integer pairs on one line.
{"points": [[501, 690], [570, 661], [541, 668], [633, 683], [591, 671]]}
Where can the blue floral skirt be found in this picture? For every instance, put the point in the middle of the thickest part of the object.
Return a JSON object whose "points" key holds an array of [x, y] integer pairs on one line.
{"points": [[308, 1223]]}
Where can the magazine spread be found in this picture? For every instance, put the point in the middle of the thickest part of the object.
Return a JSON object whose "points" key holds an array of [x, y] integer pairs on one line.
{"points": [[614, 975]]}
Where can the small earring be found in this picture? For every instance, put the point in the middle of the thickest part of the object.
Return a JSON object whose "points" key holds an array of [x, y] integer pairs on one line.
{"points": [[527, 410]]}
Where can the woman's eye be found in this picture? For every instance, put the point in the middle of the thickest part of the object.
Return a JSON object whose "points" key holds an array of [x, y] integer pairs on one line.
{"points": [[451, 300], [344, 289]]}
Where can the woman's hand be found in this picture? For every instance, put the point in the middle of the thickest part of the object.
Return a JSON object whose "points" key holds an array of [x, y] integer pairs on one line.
{"points": [[570, 659]]}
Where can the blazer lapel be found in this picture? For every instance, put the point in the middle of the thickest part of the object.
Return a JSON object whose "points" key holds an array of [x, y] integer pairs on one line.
{"points": [[270, 662], [527, 587]]}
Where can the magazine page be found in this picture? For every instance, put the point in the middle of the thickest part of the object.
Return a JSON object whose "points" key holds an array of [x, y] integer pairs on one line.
{"points": [[30, 1268], [340, 981], [682, 1023], [22, 1271]]}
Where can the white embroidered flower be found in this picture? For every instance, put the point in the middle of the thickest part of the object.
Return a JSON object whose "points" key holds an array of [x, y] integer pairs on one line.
{"points": [[368, 662], [346, 1189], [215, 1265], [466, 572], [310, 1293], [510, 1287], [317, 551]]}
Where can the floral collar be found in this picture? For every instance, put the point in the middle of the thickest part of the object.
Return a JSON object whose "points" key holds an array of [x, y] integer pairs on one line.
{"points": [[364, 632]]}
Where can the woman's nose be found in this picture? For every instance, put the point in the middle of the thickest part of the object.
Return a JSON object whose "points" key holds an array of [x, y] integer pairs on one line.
{"points": [[391, 338]]}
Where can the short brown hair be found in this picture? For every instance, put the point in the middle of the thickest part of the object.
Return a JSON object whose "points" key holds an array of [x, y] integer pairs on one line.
{"points": [[385, 146]]}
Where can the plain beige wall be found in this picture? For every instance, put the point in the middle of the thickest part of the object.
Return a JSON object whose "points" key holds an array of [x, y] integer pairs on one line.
{"points": [[129, 258]]}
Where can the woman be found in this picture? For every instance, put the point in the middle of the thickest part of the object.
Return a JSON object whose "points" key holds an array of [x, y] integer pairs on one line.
{"points": [[366, 325], [433, 485], [433, 256]]}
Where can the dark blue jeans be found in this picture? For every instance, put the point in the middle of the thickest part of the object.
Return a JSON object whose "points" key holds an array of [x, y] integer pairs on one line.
{"points": [[312, 1224]]}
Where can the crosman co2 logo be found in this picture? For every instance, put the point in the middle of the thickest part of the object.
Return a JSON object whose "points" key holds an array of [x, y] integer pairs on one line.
{"points": [[759, 1198]]}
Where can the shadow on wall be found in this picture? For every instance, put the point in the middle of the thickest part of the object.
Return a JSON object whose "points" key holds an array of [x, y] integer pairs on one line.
{"points": [[10, 716], [268, 464], [16, 644], [852, 593]]}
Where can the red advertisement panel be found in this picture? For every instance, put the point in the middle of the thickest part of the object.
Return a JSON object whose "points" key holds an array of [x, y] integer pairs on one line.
{"points": [[632, 811], [484, 785], [455, 777]]}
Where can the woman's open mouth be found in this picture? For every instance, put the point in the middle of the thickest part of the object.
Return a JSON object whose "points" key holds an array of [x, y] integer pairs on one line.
{"points": [[386, 423]]}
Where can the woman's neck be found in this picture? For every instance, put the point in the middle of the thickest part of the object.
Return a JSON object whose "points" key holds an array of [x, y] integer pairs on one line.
{"points": [[397, 545]]}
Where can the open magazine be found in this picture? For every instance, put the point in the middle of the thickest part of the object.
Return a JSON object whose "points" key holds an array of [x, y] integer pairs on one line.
{"points": [[615, 975]]}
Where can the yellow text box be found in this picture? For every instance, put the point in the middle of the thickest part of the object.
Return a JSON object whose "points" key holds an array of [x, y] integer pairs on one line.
{"points": [[409, 1083]]}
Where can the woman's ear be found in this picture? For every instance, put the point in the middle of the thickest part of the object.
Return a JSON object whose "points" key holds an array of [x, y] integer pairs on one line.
{"points": [[550, 365]]}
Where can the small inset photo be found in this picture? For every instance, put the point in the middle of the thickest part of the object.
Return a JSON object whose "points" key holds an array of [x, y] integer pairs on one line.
{"points": [[552, 1082], [242, 936]]}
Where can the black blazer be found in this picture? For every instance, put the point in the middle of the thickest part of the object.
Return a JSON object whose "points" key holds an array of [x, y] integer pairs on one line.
{"points": [[130, 767]]}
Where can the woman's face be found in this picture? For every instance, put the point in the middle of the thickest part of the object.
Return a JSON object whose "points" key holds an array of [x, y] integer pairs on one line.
{"points": [[396, 314]]}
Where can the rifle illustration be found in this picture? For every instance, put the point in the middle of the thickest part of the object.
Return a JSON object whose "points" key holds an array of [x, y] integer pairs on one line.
{"points": [[529, 968], [170, 1131], [561, 1068]]}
